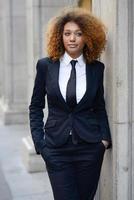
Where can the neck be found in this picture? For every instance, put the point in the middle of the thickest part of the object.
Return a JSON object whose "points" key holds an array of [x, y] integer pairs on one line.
{"points": [[74, 56]]}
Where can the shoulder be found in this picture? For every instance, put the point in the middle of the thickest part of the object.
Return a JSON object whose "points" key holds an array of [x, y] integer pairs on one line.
{"points": [[46, 61], [98, 68], [43, 63], [98, 64]]}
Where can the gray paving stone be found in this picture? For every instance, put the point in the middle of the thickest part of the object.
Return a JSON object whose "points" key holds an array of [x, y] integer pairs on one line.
{"points": [[23, 185], [34, 197], [5, 193]]}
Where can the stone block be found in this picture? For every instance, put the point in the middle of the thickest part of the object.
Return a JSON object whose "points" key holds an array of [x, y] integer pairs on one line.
{"points": [[32, 161], [6, 9], [55, 3], [9, 117], [18, 7], [19, 39]]}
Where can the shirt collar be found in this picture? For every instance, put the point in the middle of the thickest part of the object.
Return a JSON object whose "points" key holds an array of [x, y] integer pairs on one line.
{"points": [[66, 59]]}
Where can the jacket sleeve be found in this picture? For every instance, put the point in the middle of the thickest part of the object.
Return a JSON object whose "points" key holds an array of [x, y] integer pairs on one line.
{"points": [[36, 107], [100, 110]]}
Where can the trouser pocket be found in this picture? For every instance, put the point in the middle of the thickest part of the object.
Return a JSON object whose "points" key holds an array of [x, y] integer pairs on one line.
{"points": [[44, 153], [103, 145]]}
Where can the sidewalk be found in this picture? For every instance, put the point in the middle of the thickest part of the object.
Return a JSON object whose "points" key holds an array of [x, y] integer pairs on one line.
{"points": [[15, 182], [5, 193]]}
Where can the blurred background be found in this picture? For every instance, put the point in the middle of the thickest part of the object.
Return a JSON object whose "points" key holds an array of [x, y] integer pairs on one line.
{"points": [[22, 40]]}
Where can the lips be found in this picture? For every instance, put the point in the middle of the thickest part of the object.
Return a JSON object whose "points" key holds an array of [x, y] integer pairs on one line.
{"points": [[72, 45]]}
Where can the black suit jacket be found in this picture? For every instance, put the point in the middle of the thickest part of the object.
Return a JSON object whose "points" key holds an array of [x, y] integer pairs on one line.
{"points": [[88, 119]]}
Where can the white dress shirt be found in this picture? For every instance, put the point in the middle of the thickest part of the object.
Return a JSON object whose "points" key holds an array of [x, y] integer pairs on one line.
{"points": [[64, 75]]}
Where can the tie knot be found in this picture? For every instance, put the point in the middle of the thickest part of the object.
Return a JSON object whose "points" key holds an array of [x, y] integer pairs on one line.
{"points": [[73, 62]]}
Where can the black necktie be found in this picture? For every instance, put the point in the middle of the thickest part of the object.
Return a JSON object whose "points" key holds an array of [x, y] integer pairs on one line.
{"points": [[71, 87]]}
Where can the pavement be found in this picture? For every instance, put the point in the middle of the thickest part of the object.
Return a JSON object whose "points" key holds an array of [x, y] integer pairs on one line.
{"points": [[15, 182]]}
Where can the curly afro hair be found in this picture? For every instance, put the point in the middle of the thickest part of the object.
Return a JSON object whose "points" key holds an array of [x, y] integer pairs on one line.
{"points": [[93, 29]]}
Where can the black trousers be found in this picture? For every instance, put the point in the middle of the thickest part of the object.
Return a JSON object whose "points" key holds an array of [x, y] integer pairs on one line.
{"points": [[74, 169]]}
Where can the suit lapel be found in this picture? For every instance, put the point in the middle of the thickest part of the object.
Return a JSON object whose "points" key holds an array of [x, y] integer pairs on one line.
{"points": [[88, 87], [54, 72]]}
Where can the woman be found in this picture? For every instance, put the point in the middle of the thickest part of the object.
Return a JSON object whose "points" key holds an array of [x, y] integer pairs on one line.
{"points": [[76, 133]]}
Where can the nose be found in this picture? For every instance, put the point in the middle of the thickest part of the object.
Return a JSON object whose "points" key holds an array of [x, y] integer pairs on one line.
{"points": [[72, 37]]}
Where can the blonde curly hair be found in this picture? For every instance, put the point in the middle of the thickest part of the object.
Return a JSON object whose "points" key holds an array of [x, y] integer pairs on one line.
{"points": [[93, 29]]}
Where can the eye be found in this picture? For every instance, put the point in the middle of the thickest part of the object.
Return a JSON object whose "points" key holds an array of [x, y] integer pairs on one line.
{"points": [[66, 33], [78, 33]]}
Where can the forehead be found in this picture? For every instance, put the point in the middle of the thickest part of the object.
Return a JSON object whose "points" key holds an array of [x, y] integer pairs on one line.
{"points": [[71, 26]]}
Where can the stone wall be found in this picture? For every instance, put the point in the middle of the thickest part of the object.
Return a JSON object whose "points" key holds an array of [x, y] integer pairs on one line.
{"points": [[118, 168], [13, 66]]}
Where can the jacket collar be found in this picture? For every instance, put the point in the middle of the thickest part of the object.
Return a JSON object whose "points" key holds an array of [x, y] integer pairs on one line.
{"points": [[66, 58]]}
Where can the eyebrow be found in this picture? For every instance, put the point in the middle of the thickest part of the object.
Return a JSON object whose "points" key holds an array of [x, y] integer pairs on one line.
{"points": [[71, 30]]}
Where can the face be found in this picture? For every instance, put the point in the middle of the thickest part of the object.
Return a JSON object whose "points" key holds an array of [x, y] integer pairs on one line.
{"points": [[73, 39]]}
